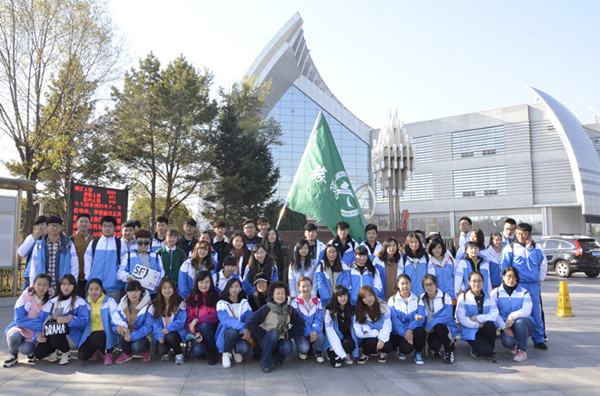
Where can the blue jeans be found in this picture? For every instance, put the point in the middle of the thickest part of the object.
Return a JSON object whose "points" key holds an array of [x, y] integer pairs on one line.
{"points": [[303, 343], [232, 338], [136, 347], [271, 344], [16, 343], [208, 331], [523, 329]]}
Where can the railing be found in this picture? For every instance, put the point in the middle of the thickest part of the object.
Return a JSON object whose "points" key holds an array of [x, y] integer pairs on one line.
{"points": [[6, 281]]}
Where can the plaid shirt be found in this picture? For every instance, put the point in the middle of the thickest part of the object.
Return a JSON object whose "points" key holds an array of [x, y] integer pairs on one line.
{"points": [[51, 267]]}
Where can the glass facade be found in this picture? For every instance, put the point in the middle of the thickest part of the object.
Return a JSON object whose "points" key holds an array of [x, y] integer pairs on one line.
{"points": [[297, 114]]}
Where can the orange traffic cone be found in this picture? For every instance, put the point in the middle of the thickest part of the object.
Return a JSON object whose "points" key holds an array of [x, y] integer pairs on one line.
{"points": [[564, 302]]}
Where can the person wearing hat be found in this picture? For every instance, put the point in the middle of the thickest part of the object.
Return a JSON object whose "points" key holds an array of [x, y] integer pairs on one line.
{"points": [[54, 254], [259, 298], [26, 248]]}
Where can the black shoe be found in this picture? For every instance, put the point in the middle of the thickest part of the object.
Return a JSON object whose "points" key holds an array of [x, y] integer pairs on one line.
{"points": [[437, 354], [212, 358], [265, 369], [11, 361], [541, 345], [449, 357], [475, 354], [493, 358]]}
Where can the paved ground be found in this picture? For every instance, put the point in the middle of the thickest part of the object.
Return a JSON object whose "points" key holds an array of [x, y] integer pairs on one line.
{"points": [[571, 366]]}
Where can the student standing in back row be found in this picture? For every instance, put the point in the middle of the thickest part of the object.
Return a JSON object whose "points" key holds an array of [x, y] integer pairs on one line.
{"points": [[372, 244], [82, 239], [344, 243]]}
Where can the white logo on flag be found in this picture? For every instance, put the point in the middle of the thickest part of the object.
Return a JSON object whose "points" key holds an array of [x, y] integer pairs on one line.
{"points": [[318, 175]]}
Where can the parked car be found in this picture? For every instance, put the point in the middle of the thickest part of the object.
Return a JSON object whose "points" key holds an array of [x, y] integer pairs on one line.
{"points": [[572, 253]]}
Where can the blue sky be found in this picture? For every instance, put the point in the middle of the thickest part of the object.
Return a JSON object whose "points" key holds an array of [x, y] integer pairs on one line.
{"points": [[428, 59]]}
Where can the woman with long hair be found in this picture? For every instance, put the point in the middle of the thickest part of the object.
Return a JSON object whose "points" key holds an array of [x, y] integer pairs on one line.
{"points": [[259, 262], [361, 273], [372, 325], [340, 340], [200, 261], [328, 272], [415, 262], [169, 321], [66, 308], [237, 248], [232, 337], [302, 265], [278, 253], [202, 317], [386, 261]]}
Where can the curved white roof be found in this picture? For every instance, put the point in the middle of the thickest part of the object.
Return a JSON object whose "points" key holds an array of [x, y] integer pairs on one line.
{"points": [[286, 61], [583, 156]]}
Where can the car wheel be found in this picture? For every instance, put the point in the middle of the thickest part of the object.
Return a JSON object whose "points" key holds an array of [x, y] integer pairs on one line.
{"points": [[592, 273], [563, 268]]}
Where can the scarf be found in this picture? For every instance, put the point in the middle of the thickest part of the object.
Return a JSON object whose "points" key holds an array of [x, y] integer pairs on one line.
{"points": [[283, 316], [509, 289]]}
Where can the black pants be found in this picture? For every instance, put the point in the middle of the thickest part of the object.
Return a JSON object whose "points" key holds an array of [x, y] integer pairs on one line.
{"points": [[81, 284], [439, 337], [54, 342], [485, 339], [369, 346], [96, 341], [348, 344], [172, 341], [404, 347]]}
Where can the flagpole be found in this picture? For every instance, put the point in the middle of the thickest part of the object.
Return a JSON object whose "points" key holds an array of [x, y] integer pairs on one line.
{"points": [[299, 167]]}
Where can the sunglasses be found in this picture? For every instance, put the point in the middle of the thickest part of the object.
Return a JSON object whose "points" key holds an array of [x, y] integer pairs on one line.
{"points": [[145, 243]]}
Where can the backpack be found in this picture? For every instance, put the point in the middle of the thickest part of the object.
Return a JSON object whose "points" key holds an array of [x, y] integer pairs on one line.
{"points": [[117, 243]]}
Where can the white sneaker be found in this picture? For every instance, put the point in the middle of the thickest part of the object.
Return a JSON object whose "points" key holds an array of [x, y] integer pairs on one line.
{"points": [[64, 359], [302, 356], [179, 358], [226, 359], [11, 361], [238, 357], [319, 357], [53, 357], [165, 357]]}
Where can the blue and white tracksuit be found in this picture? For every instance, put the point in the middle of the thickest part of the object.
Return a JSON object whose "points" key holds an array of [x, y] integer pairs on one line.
{"points": [[467, 307], [532, 268], [381, 329], [25, 250], [187, 274], [464, 268], [77, 325], [514, 306], [348, 255], [220, 280], [444, 274], [144, 321], [107, 311], [354, 280], [177, 324], [132, 259], [441, 312], [227, 320], [404, 314], [305, 270], [334, 337], [416, 269], [104, 263], [248, 284], [313, 321], [323, 276], [66, 261]]}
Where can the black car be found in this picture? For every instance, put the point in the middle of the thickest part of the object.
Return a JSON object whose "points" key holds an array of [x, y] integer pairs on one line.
{"points": [[571, 253]]}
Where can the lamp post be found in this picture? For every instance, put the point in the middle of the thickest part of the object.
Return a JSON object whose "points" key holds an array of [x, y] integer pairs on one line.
{"points": [[393, 163]]}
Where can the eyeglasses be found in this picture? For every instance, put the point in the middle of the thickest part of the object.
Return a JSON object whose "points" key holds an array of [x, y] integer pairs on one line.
{"points": [[428, 284], [144, 243], [249, 227], [476, 281]]}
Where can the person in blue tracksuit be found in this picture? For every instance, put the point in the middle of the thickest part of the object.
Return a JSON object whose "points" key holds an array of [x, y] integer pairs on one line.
{"points": [[135, 309], [440, 325], [443, 266], [509, 231], [259, 262], [344, 242], [316, 247], [274, 324], [102, 261], [328, 272], [372, 244], [311, 310], [471, 262], [26, 323], [514, 314], [302, 265], [340, 342], [408, 333], [223, 276], [415, 262], [57, 244], [476, 312], [361, 273], [232, 337], [529, 260], [372, 325], [67, 307], [144, 257], [200, 261], [26, 248], [169, 321], [387, 263], [99, 337], [158, 240]]}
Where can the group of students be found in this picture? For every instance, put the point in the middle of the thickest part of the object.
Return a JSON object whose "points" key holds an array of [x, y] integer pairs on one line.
{"points": [[343, 301]]}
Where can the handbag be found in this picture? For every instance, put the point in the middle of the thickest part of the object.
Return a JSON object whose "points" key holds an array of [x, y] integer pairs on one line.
{"points": [[52, 327]]}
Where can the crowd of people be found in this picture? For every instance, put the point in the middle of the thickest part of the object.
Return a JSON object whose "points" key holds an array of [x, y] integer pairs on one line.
{"points": [[113, 298]]}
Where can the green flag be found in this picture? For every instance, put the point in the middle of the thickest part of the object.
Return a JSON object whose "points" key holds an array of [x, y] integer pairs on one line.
{"points": [[321, 188]]}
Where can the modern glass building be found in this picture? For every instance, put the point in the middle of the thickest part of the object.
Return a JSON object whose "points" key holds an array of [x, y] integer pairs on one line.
{"points": [[298, 94]]}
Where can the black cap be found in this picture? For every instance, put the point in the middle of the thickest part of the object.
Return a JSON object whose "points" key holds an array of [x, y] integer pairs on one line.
{"points": [[261, 276], [54, 220]]}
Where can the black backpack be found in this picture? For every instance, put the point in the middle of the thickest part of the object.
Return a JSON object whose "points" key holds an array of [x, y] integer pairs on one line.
{"points": [[117, 243]]}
